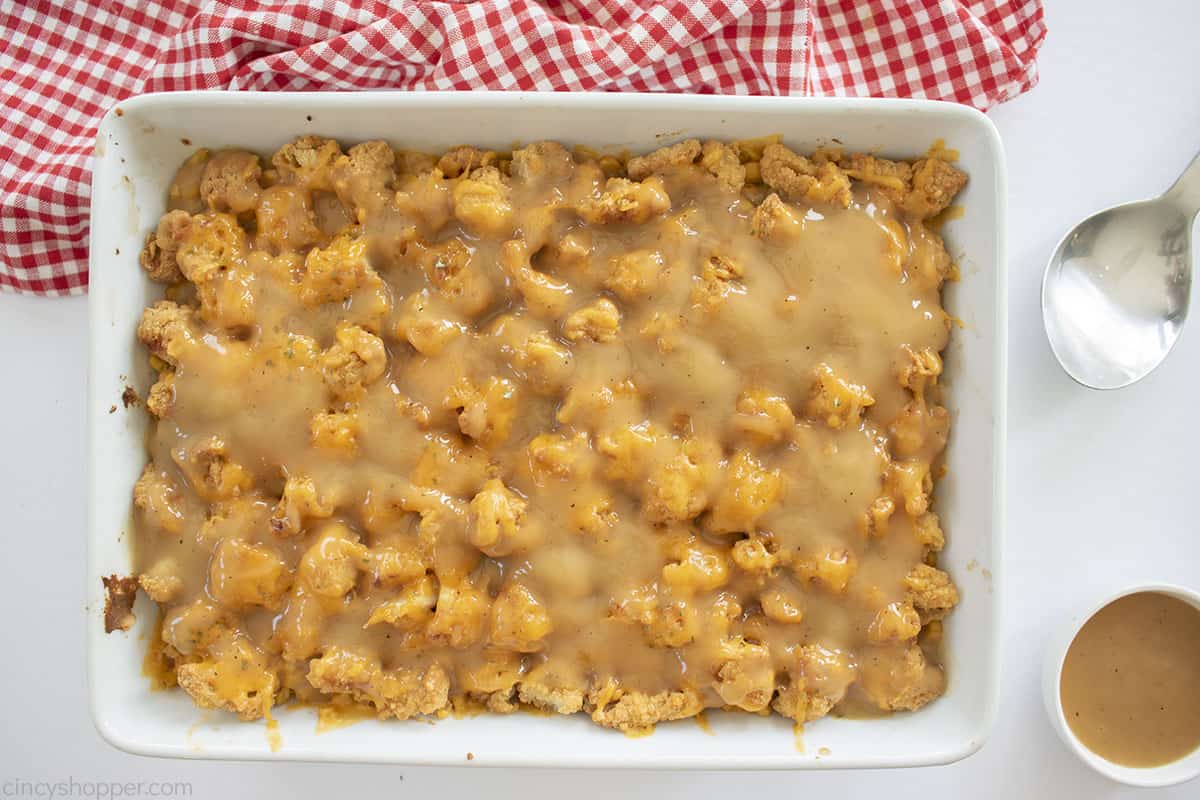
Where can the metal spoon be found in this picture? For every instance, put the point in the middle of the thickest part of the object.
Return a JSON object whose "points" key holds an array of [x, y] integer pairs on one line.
{"points": [[1115, 294]]}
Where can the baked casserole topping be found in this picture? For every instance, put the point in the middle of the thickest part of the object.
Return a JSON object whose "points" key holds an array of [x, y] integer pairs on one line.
{"points": [[629, 437]]}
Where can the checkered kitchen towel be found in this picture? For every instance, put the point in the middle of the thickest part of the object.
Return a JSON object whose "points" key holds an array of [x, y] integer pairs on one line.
{"points": [[64, 63]]}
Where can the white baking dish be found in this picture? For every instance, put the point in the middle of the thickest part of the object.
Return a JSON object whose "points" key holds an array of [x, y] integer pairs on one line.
{"points": [[138, 147]]}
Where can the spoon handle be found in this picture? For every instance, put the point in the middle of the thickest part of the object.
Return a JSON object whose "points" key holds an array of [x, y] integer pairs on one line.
{"points": [[1186, 191]]}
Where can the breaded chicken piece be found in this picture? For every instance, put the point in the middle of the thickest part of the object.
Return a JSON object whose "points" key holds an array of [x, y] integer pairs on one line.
{"points": [[898, 677], [818, 680], [797, 178], [541, 161], [626, 201], [398, 693], [934, 186], [464, 159], [633, 712], [680, 154], [158, 254], [230, 181], [308, 161], [364, 175], [931, 591], [721, 161], [234, 675], [166, 328]]}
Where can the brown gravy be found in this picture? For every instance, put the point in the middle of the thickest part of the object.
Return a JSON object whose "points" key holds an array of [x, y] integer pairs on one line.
{"points": [[535, 430], [1131, 681]]}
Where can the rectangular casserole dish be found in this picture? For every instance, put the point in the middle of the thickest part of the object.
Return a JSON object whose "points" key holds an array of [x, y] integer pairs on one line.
{"points": [[138, 147]]}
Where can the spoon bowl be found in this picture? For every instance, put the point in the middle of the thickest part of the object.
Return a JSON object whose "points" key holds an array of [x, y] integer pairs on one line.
{"points": [[1115, 294]]}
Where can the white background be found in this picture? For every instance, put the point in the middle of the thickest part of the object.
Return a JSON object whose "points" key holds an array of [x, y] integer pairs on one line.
{"points": [[1102, 487]]}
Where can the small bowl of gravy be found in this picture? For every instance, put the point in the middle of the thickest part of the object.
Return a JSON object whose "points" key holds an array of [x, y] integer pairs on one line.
{"points": [[1122, 686]]}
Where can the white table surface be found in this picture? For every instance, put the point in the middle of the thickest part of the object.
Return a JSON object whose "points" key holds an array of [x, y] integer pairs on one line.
{"points": [[1102, 487]]}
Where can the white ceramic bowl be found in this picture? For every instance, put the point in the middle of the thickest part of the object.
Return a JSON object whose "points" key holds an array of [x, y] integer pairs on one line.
{"points": [[1179, 771], [137, 150]]}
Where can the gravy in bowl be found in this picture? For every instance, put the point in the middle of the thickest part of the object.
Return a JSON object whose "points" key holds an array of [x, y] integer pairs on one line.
{"points": [[1130, 683]]}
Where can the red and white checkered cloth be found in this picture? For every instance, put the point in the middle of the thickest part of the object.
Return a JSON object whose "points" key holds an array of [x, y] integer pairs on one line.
{"points": [[63, 64]]}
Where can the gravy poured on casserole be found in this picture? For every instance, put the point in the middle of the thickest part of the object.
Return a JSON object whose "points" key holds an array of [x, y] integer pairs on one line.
{"points": [[633, 438]]}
